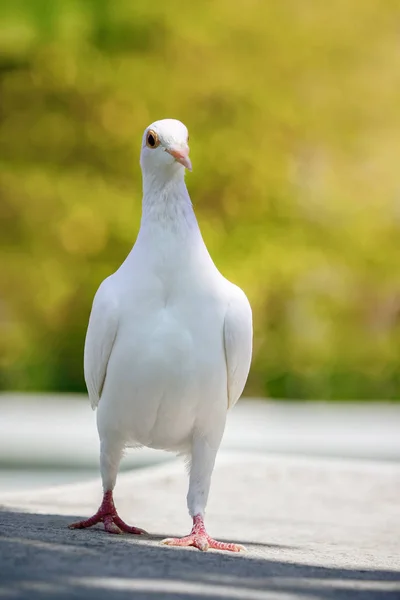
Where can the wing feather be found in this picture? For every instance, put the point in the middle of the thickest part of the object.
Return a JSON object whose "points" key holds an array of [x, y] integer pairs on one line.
{"points": [[238, 341], [100, 337]]}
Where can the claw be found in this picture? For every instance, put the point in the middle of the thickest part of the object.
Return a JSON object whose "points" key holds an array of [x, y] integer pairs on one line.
{"points": [[110, 526]]}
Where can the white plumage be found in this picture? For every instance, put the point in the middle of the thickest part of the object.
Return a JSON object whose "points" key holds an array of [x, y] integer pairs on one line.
{"points": [[169, 341]]}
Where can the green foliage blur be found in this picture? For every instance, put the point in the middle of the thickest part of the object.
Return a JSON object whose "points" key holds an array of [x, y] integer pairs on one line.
{"points": [[294, 119]]}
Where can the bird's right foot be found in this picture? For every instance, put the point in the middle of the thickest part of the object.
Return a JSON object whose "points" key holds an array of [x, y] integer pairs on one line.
{"points": [[107, 514]]}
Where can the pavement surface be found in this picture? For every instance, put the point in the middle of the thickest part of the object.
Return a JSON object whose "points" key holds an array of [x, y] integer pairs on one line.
{"points": [[58, 431], [315, 528]]}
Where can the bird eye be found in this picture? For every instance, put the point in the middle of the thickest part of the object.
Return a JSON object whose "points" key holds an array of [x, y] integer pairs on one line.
{"points": [[152, 140]]}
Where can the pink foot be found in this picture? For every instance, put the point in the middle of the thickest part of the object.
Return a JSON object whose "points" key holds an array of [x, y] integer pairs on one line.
{"points": [[108, 515], [200, 539]]}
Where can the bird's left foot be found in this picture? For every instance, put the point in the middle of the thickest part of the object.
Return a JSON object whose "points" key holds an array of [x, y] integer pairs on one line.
{"points": [[200, 539]]}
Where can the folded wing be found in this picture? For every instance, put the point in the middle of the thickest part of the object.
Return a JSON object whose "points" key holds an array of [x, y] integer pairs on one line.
{"points": [[100, 337], [238, 339]]}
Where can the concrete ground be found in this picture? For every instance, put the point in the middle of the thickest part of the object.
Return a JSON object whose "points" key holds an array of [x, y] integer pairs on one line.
{"points": [[314, 528], [57, 434]]}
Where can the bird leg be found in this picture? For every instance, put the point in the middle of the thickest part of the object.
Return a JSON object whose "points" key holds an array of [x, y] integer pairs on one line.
{"points": [[107, 514], [203, 454], [200, 539]]}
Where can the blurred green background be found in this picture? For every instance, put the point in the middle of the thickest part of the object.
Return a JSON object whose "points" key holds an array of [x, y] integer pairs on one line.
{"points": [[294, 118]]}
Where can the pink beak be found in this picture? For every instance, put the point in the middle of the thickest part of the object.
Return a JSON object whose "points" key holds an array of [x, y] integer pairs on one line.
{"points": [[181, 155]]}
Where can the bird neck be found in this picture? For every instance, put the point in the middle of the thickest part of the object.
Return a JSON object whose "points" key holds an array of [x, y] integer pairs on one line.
{"points": [[166, 203], [169, 238]]}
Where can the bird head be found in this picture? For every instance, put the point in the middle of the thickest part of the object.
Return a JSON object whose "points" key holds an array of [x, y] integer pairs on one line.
{"points": [[165, 147]]}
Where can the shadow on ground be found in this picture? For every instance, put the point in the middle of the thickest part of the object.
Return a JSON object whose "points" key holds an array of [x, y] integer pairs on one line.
{"points": [[41, 558]]}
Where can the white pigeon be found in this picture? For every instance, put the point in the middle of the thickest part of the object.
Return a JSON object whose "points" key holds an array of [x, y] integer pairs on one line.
{"points": [[169, 342]]}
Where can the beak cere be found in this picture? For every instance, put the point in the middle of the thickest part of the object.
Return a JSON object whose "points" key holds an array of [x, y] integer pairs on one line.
{"points": [[181, 155]]}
